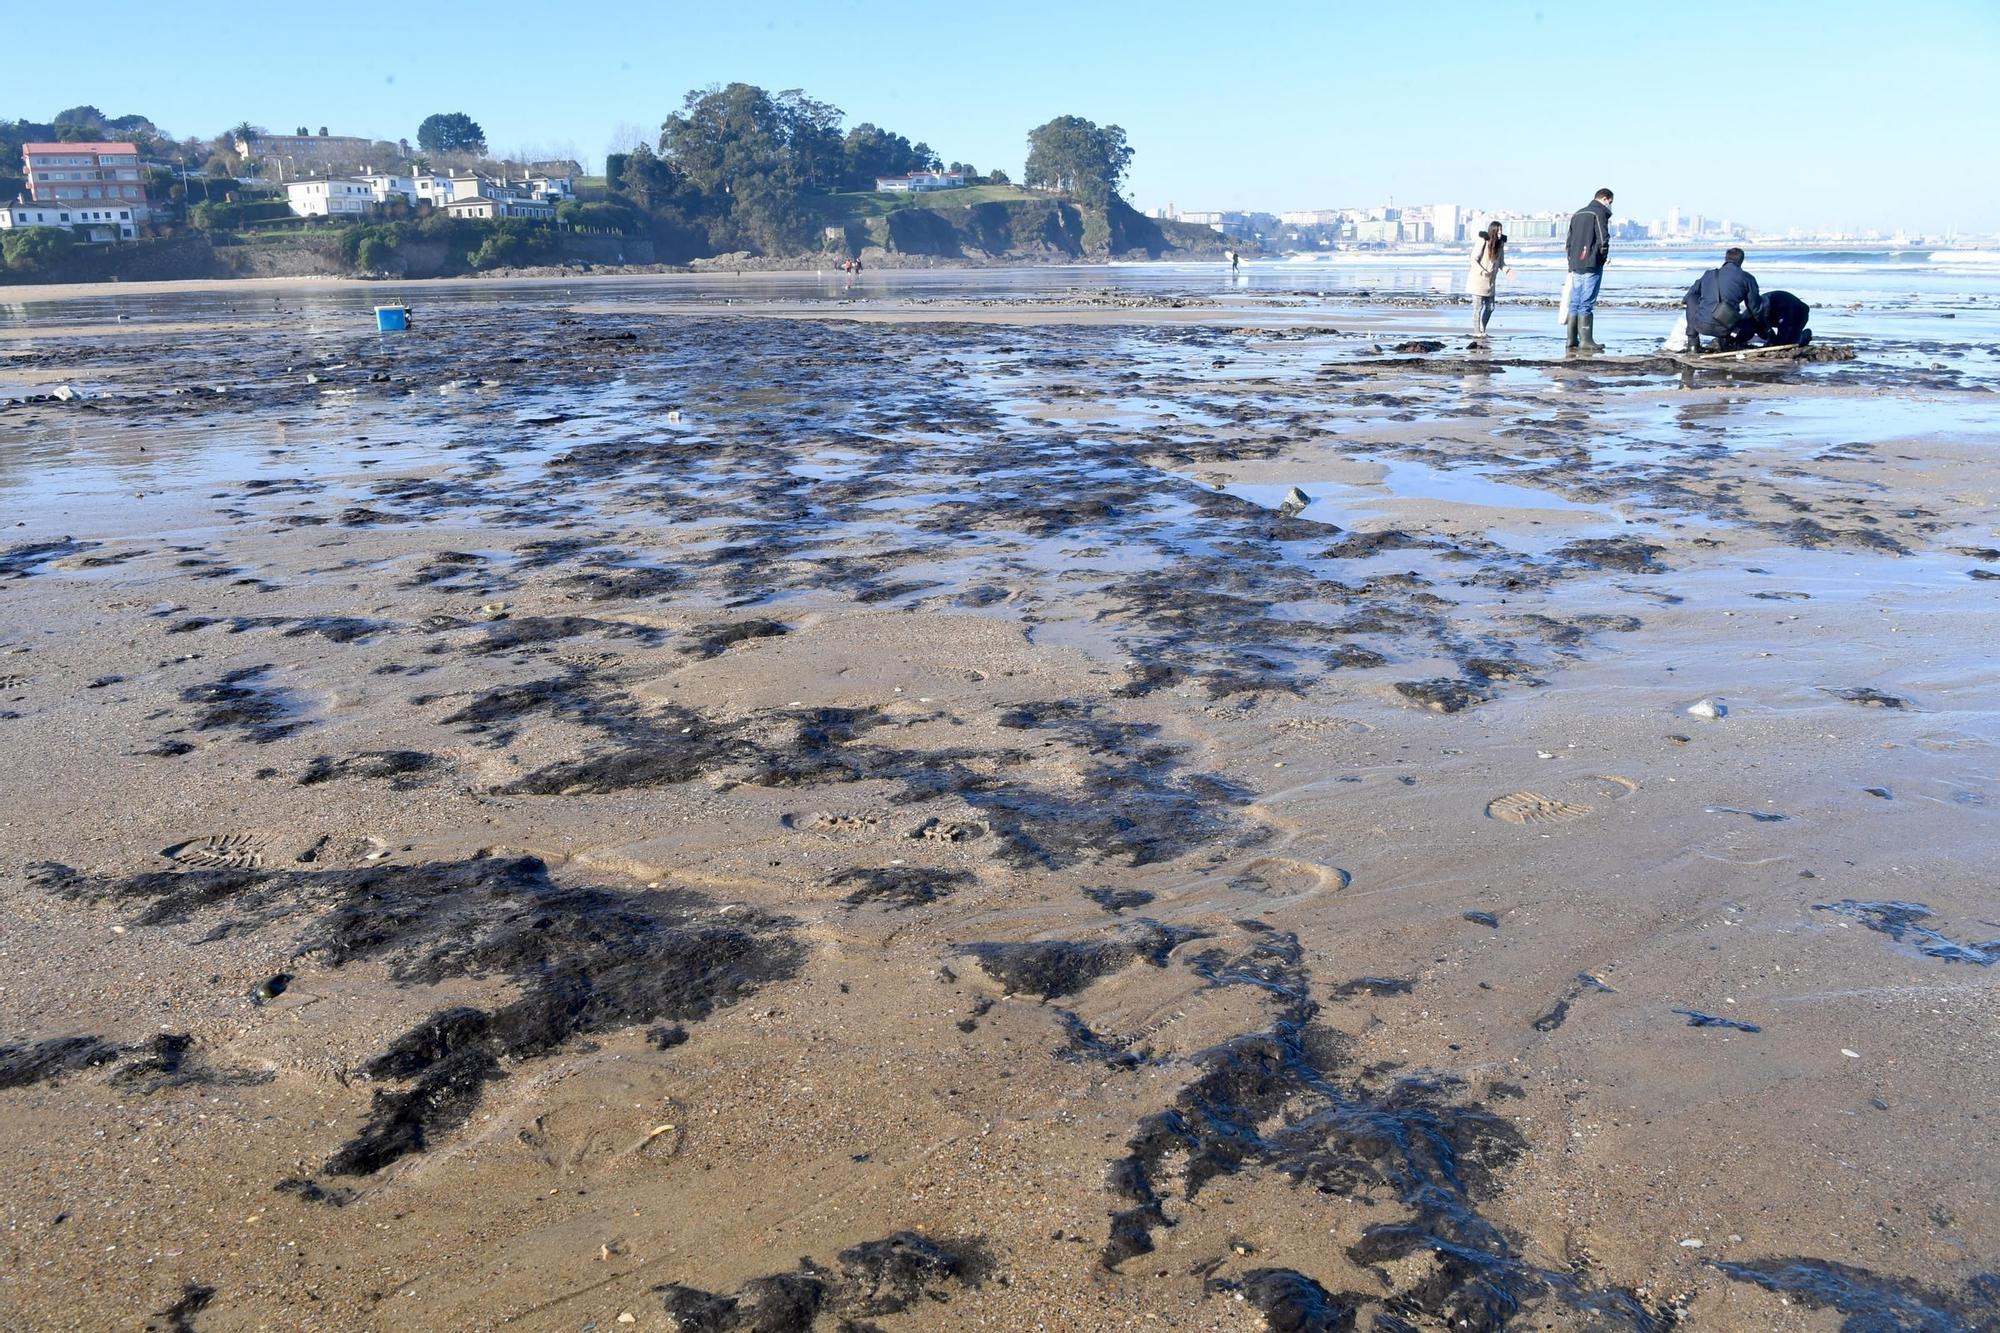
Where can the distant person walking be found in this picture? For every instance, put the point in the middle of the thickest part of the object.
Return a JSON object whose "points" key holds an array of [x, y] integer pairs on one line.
{"points": [[1724, 304], [1489, 258], [1589, 248]]}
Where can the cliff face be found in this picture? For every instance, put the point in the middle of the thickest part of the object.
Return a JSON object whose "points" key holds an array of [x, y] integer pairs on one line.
{"points": [[1033, 230]]}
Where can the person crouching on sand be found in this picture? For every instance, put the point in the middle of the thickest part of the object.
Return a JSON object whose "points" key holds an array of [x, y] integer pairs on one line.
{"points": [[1724, 304], [1785, 318], [1489, 257]]}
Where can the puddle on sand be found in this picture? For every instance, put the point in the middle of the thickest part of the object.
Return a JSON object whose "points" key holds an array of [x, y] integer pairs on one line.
{"points": [[1339, 503]]}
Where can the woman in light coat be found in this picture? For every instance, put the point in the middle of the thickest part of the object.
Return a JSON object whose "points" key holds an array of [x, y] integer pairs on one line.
{"points": [[1489, 259]]}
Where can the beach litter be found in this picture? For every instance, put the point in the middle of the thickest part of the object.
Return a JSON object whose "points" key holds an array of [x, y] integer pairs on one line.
{"points": [[1697, 1019]]}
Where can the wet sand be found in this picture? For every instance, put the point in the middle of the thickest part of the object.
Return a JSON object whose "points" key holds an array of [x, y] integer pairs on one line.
{"points": [[791, 823]]}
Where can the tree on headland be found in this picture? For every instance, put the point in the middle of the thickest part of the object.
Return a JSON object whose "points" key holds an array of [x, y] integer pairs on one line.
{"points": [[79, 123], [872, 152], [644, 178], [1078, 157], [244, 132], [733, 146], [451, 132], [812, 138]]}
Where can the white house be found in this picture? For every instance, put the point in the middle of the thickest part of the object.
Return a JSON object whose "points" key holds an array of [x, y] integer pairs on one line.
{"points": [[483, 206], [342, 197], [100, 222], [385, 186], [551, 187], [921, 181], [431, 188]]}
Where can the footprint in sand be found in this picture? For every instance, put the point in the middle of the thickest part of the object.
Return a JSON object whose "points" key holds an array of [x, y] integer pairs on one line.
{"points": [[1343, 725], [1281, 876], [826, 821], [1946, 742], [948, 830], [219, 851], [587, 661], [586, 1137], [13, 682], [1527, 807]]}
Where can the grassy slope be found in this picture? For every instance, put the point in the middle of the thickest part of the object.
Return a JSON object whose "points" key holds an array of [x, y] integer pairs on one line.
{"points": [[863, 204]]}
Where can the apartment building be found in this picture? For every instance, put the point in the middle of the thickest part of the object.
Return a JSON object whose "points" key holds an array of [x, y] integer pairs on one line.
{"points": [[305, 148], [83, 173]]}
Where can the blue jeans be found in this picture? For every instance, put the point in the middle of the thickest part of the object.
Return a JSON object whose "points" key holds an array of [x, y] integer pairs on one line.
{"points": [[1583, 293]]}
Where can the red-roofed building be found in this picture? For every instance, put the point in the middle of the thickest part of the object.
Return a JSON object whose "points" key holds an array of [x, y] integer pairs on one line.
{"points": [[79, 173]]}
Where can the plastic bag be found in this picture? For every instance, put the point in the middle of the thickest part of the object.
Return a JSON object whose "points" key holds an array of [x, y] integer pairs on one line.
{"points": [[1677, 337], [1562, 306]]}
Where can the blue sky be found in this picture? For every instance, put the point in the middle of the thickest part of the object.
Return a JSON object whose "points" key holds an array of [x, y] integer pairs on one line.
{"points": [[1862, 114]]}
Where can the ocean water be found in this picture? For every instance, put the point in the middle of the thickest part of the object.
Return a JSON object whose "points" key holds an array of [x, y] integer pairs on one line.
{"points": [[1949, 279]]}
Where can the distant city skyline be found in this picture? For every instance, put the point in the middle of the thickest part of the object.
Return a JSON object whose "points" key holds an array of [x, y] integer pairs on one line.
{"points": [[1849, 122], [1446, 222]]}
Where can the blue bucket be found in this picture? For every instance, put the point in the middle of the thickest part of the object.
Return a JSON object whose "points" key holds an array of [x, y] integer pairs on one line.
{"points": [[392, 318]]}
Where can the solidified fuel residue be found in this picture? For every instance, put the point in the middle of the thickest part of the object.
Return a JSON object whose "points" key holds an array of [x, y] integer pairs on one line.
{"points": [[875, 1278], [585, 960], [1872, 1303], [1283, 1100], [1903, 923]]}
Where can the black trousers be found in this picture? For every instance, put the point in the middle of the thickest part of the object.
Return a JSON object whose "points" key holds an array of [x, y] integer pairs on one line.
{"points": [[1736, 335]]}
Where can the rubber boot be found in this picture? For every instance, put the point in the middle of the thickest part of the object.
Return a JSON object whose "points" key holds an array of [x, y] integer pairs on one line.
{"points": [[1587, 339], [1575, 321]]}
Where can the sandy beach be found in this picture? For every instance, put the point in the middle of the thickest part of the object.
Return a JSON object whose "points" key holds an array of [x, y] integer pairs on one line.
{"points": [[1046, 813]]}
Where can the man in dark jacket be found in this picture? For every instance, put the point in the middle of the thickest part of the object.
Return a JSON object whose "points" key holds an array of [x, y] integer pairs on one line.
{"points": [[1785, 319], [1724, 304], [1589, 247]]}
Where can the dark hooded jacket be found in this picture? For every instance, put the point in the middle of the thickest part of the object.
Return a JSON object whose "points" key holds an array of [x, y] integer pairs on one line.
{"points": [[1589, 238], [1785, 317]]}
